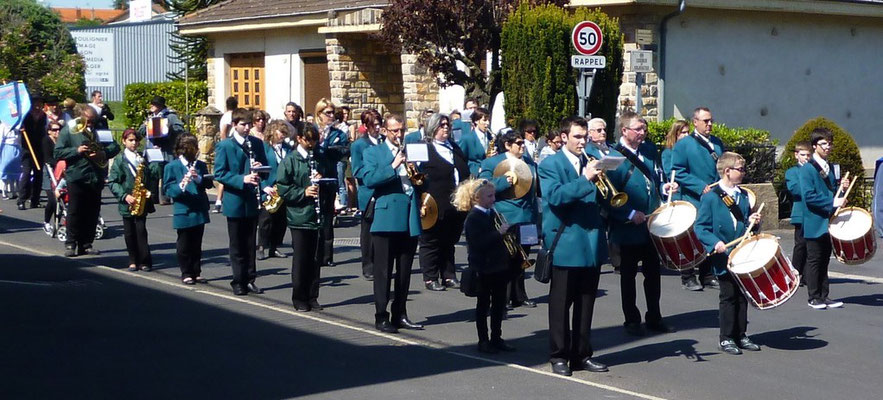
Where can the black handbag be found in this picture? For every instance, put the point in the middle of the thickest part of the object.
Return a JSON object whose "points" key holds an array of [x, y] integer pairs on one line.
{"points": [[470, 284], [369, 211], [543, 268]]}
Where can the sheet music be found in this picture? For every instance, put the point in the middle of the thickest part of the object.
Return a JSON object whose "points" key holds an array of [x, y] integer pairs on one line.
{"points": [[154, 155], [104, 136], [529, 234], [609, 162], [417, 152]]}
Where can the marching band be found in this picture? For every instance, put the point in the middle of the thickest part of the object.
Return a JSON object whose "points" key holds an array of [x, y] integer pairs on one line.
{"points": [[681, 208]]}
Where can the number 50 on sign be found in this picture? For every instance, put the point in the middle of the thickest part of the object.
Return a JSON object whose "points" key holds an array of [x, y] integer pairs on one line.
{"points": [[587, 38]]}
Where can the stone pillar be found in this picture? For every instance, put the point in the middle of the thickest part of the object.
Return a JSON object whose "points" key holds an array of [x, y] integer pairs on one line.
{"points": [[210, 74], [208, 129], [650, 88], [420, 89], [363, 75]]}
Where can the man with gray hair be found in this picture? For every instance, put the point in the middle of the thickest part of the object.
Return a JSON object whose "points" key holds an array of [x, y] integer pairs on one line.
{"points": [[598, 135]]}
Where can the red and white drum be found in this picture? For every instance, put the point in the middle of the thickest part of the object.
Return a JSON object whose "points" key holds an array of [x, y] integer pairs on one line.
{"points": [[852, 235], [671, 229], [763, 271]]}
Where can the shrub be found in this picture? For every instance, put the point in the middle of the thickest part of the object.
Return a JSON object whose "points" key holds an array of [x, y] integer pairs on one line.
{"points": [[537, 77], [845, 152], [752, 144], [137, 96]]}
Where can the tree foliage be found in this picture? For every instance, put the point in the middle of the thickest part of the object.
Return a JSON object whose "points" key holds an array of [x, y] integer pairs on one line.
{"points": [[444, 34], [37, 48], [137, 96], [189, 51], [537, 77]]}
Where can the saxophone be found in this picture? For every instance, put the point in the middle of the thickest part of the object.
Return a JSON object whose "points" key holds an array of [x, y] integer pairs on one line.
{"points": [[491, 150], [139, 192], [273, 202]]}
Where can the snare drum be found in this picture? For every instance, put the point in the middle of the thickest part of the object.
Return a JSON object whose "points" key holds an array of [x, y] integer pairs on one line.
{"points": [[763, 271], [671, 229], [852, 235]]}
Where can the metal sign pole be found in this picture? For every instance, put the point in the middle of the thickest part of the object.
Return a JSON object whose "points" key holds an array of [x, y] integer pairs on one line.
{"points": [[639, 82], [584, 89]]}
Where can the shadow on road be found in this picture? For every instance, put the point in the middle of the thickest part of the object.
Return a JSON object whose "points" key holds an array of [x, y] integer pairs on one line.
{"points": [[797, 338]]}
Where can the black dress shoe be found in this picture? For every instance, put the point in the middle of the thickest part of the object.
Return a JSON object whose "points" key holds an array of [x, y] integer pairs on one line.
{"points": [[369, 277], [254, 288], [501, 345], [634, 328], [590, 365], [385, 327], [529, 304], [561, 368], [510, 306], [301, 306], [659, 327], [692, 285], [487, 348], [452, 283], [35, 205], [405, 323], [329, 264], [729, 346], [262, 254], [146, 268], [21, 206], [278, 254], [712, 283], [746, 344], [239, 290], [434, 286], [70, 252], [89, 250], [315, 306]]}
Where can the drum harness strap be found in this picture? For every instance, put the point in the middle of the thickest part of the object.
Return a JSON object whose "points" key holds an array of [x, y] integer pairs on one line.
{"points": [[636, 162], [702, 142], [824, 176], [730, 202]]}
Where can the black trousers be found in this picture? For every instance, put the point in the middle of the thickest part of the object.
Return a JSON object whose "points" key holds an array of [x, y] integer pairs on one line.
{"points": [[189, 250], [135, 233], [437, 247], [327, 192], [82, 213], [575, 287], [51, 205], [818, 256], [156, 188], [703, 269], [241, 232], [798, 256], [271, 229], [628, 270], [392, 249], [366, 247], [492, 297], [28, 189], [304, 266], [515, 291], [733, 309]]}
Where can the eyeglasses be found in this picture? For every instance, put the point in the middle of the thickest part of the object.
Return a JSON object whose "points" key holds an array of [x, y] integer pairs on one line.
{"points": [[444, 125], [706, 121], [54, 129], [530, 131], [519, 143], [641, 129], [599, 130], [394, 130], [823, 143], [740, 169]]}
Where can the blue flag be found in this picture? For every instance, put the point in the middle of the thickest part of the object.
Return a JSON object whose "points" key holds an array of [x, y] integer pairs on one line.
{"points": [[15, 102]]}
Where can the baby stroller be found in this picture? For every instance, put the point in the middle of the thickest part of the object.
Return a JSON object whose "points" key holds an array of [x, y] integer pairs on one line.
{"points": [[60, 221]]}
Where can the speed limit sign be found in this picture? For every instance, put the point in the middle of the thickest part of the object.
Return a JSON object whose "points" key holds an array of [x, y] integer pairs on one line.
{"points": [[587, 38]]}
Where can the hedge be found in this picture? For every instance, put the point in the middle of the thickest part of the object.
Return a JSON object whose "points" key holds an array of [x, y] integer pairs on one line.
{"points": [[137, 96], [537, 77], [845, 152], [753, 144]]}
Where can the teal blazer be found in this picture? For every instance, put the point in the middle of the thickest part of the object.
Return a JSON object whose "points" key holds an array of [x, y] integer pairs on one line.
{"points": [[394, 211], [357, 150], [568, 196], [121, 181], [666, 171], [694, 167], [792, 183], [333, 149], [191, 205], [414, 137], [231, 166], [462, 126], [516, 211], [714, 223], [473, 151], [643, 196], [818, 200]]}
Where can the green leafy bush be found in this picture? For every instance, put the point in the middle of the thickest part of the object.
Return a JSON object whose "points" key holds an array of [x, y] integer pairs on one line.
{"points": [[137, 96], [845, 152], [538, 80]]}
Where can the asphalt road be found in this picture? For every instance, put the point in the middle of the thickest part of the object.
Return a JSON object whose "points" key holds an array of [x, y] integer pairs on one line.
{"points": [[87, 328]]}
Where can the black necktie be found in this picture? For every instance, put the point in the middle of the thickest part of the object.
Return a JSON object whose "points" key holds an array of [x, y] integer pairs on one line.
{"points": [[583, 161]]}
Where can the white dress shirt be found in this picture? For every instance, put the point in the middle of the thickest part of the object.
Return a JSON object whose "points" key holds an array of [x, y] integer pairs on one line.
{"points": [[401, 170]]}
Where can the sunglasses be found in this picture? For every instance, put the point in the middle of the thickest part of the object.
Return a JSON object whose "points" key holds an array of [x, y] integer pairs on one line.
{"points": [[444, 125], [328, 112], [519, 143], [54, 129]]}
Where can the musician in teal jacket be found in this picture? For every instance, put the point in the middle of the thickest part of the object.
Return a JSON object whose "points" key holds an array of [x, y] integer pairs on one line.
{"points": [[802, 153], [694, 161], [716, 225], [371, 120], [818, 184], [235, 159], [395, 228], [190, 206], [475, 142], [640, 178], [570, 204], [271, 226], [517, 211]]}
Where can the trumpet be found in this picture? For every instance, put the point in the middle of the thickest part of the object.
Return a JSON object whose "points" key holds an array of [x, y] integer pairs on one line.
{"points": [[608, 191], [416, 177], [511, 241]]}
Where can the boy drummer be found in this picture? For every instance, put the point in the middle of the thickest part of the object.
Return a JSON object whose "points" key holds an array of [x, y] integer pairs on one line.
{"points": [[723, 217]]}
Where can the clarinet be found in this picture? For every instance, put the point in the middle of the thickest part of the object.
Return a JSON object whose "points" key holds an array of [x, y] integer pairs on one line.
{"points": [[257, 191], [314, 181]]}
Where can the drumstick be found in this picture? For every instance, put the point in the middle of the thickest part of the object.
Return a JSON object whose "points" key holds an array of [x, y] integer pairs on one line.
{"points": [[840, 188], [743, 237], [845, 195], [669, 186]]}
